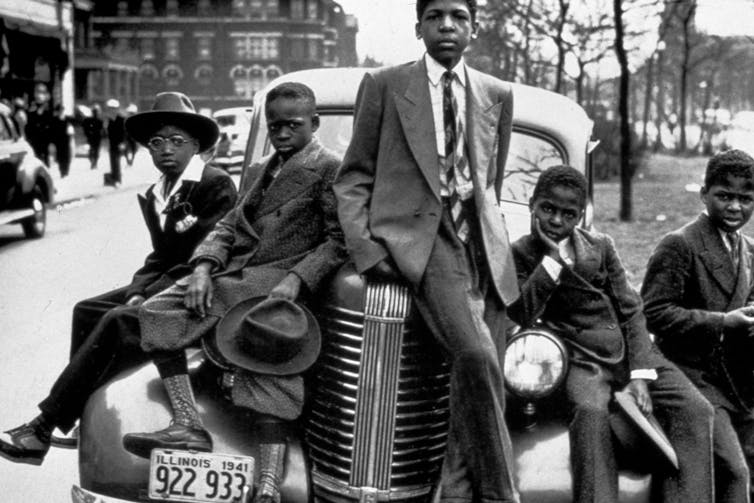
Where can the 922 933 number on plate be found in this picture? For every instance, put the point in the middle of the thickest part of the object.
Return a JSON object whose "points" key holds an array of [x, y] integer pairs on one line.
{"points": [[198, 477]]}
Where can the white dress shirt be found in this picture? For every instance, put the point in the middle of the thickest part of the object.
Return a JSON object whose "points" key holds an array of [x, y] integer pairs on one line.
{"points": [[193, 173]]}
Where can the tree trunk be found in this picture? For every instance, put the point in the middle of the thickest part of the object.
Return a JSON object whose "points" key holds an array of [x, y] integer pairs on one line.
{"points": [[660, 103], [626, 210], [685, 75], [649, 67], [560, 44]]}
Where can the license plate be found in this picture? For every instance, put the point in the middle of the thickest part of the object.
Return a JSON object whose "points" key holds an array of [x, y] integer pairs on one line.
{"points": [[199, 477]]}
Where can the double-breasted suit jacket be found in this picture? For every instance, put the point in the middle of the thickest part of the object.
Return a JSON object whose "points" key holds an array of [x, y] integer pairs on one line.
{"points": [[208, 199], [689, 286], [592, 304], [388, 187], [291, 226]]}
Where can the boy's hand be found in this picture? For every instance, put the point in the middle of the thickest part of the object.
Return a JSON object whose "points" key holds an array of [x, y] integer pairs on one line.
{"points": [[552, 247], [135, 300], [743, 317], [198, 296], [640, 391], [384, 270], [288, 288]]}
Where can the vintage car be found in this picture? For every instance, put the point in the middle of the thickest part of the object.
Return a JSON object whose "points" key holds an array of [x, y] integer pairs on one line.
{"points": [[234, 133], [25, 183], [376, 420]]}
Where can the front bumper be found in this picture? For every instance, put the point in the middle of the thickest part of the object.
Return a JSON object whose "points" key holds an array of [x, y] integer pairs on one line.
{"points": [[79, 495]]}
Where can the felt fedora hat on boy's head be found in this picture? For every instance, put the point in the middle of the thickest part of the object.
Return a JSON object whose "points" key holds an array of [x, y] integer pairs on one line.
{"points": [[174, 109], [268, 336]]}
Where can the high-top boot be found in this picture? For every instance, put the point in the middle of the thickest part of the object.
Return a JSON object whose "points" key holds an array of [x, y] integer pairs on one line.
{"points": [[271, 469], [185, 432]]}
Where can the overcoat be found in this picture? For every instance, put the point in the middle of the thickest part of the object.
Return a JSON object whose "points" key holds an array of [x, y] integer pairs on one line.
{"points": [[397, 149], [689, 286], [291, 226]]}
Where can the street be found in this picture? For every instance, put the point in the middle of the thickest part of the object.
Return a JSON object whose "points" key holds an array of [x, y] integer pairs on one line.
{"points": [[90, 247]]}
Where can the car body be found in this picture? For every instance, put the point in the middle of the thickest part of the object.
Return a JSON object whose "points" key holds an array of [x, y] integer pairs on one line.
{"points": [[26, 187], [135, 401], [234, 132]]}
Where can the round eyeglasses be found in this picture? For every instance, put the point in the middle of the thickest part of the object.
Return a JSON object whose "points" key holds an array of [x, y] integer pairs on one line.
{"points": [[158, 142]]}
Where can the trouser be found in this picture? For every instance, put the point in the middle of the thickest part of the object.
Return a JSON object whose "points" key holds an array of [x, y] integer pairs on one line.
{"points": [[451, 299], [112, 346], [684, 413], [734, 455], [94, 146], [63, 156], [88, 313], [115, 175]]}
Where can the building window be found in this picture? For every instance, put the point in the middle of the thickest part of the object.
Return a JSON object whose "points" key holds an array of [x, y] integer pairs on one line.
{"points": [[297, 49], [204, 48], [122, 9], [313, 49], [254, 47], [203, 7], [147, 48], [273, 72], [311, 9], [273, 8], [172, 75], [203, 75], [239, 7], [146, 9], [172, 49], [297, 9], [149, 77], [171, 7]]}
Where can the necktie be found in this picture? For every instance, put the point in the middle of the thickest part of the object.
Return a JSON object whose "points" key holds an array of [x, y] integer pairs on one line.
{"points": [[456, 168], [732, 238]]}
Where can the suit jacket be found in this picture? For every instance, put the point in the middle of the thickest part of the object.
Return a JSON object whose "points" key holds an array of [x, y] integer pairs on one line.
{"points": [[388, 186], [689, 286], [592, 305], [290, 227], [208, 200]]}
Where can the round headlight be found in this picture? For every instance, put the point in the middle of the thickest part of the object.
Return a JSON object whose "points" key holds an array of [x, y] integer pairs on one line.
{"points": [[536, 362]]}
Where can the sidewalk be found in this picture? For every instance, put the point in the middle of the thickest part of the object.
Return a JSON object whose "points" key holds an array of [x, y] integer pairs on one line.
{"points": [[83, 182]]}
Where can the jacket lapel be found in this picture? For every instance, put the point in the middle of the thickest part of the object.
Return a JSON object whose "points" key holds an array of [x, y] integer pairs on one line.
{"points": [[586, 262], [743, 283], [714, 256], [481, 132], [146, 202], [415, 112]]}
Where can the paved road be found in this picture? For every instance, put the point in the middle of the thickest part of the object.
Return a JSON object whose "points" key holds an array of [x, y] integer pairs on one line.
{"points": [[91, 246]]}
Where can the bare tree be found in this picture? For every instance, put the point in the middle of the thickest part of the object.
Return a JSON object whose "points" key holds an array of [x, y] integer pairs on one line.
{"points": [[626, 171]]}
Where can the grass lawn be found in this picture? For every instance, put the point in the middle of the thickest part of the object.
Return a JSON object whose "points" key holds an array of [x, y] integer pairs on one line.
{"points": [[661, 203]]}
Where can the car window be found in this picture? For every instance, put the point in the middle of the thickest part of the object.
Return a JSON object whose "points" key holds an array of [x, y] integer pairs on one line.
{"points": [[528, 156]]}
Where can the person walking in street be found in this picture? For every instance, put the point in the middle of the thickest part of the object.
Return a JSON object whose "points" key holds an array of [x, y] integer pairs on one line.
{"points": [[116, 137], [418, 195], [179, 210], [131, 145], [39, 123], [94, 129], [61, 134]]}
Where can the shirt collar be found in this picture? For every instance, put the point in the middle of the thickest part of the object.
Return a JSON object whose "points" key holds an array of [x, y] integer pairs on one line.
{"points": [[192, 173], [435, 70]]}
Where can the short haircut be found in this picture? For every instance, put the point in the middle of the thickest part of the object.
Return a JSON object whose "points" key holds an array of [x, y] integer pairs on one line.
{"points": [[564, 176], [730, 162], [421, 6], [293, 91]]}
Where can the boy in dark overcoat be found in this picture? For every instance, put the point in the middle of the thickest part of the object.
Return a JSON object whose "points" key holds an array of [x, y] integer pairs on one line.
{"points": [[418, 199], [179, 211], [697, 299], [282, 240], [573, 283]]}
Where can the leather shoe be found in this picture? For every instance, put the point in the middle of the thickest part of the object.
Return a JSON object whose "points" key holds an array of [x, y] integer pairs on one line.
{"points": [[176, 436], [25, 444]]}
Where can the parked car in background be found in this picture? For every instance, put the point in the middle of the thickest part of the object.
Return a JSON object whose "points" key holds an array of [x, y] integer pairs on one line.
{"points": [[26, 186], [234, 132], [740, 132], [377, 413]]}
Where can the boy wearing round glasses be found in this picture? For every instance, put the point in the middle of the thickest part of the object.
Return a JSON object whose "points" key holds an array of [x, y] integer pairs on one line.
{"points": [[179, 211]]}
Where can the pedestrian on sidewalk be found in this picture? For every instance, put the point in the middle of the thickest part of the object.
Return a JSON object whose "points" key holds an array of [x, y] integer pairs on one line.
{"points": [[39, 122], [116, 137], [61, 134], [94, 129], [131, 145]]}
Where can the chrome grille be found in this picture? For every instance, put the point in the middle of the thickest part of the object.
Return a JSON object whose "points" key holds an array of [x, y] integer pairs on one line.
{"points": [[378, 416]]}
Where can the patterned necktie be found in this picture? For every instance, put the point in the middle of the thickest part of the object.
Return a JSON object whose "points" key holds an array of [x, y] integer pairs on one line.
{"points": [[456, 168], [732, 238]]}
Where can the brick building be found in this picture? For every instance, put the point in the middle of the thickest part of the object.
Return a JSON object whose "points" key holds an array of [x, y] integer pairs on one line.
{"points": [[219, 52]]}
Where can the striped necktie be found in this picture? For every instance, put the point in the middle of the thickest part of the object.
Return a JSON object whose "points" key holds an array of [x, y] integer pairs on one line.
{"points": [[732, 239], [456, 167]]}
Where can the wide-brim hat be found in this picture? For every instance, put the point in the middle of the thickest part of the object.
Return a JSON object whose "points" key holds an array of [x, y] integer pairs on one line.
{"points": [[642, 443], [269, 336], [175, 109]]}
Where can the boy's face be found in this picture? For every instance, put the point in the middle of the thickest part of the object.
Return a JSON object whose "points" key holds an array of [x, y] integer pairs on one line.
{"points": [[171, 149], [447, 28], [290, 123], [729, 205], [558, 210]]}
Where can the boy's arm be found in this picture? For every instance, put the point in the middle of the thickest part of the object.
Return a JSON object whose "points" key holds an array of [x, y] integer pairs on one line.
{"points": [[664, 291], [537, 282], [218, 243], [355, 179], [642, 353]]}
